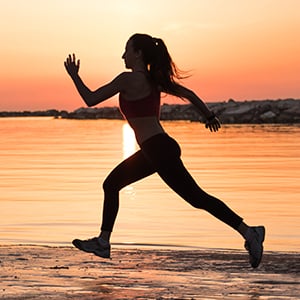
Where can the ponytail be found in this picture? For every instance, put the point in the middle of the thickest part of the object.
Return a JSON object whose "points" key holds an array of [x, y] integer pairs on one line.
{"points": [[161, 67]]}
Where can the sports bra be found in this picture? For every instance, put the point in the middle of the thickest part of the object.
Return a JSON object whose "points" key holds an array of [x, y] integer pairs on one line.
{"points": [[144, 107]]}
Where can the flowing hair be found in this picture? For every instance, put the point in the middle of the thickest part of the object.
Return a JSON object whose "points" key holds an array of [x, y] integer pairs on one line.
{"points": [[161, 67]]}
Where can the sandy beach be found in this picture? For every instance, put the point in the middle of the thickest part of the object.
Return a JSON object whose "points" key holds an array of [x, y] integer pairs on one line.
{"points": [[46, 272]]}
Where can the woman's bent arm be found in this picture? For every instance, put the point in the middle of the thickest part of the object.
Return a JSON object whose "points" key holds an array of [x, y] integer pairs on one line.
{"points": [[103, 93], [92, 98]]}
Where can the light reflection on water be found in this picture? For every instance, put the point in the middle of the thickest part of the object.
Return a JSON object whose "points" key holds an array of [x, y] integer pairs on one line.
{"points": [[52, 172]]}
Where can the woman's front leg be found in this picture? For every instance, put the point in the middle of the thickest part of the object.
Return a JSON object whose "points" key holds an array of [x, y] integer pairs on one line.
{"points": [[132, 169]]}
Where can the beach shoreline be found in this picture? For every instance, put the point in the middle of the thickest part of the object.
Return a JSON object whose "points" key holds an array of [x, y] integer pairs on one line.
{"points": [[63, 272]]}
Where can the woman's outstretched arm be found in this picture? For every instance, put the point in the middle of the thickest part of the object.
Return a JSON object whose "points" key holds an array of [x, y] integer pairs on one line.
{"points": [[92, 98]]}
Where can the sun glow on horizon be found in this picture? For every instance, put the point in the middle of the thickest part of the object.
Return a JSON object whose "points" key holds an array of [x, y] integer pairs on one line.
{"points": [[234, 49], [129, 142]]}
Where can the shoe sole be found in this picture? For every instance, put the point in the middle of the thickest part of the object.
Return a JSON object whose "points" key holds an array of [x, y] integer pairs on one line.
{"points": [[261, 231], [104, 254]]}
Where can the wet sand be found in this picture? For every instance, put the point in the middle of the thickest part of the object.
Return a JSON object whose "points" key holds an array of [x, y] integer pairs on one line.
{"points": [[44, 272]]}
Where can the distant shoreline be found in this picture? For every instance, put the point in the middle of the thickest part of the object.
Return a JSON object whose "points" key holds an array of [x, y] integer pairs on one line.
{"points": [[282, 111]]}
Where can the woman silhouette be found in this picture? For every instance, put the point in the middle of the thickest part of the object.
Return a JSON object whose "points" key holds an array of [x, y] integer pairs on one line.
{"points": [[153, 72]]}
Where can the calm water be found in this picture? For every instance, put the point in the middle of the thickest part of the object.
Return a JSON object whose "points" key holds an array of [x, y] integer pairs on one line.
{"points": [[52, 171]]}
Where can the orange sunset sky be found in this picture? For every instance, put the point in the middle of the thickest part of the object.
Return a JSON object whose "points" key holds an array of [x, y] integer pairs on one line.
{"points": [[240, 49]]}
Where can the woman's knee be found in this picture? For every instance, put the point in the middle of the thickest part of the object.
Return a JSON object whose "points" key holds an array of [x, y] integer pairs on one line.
{"points": [[199, 203], [201, 200], [109, 186], [207, 202]]}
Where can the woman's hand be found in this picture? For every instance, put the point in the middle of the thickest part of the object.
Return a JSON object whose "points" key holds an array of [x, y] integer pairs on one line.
{"points": [[71, 65], [213, 123]]}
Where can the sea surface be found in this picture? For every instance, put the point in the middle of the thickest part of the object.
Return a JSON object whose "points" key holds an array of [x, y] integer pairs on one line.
{"points": [[52, 172]]}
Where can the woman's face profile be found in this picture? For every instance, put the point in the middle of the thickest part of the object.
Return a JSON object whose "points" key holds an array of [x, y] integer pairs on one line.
{"points": [[130, 56]]}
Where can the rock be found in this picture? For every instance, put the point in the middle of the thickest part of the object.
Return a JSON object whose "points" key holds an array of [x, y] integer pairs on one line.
{"points": [[239, 109], [268, 115], [292, 110]]}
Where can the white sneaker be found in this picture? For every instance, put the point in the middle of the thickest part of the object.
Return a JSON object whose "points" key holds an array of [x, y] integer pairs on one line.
{"points": [[95, 245], [254, 245]]}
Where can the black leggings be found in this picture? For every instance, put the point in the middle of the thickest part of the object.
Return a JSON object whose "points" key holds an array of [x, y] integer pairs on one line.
{"points": [[160, 154]]}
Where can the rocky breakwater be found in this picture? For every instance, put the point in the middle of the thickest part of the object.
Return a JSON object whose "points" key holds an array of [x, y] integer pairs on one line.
{"points": [[256, 112], [93, 113], [285, 111], [230, 112]]}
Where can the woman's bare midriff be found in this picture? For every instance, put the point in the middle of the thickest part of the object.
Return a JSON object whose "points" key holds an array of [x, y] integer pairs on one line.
{"points": [[145, 127]]}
